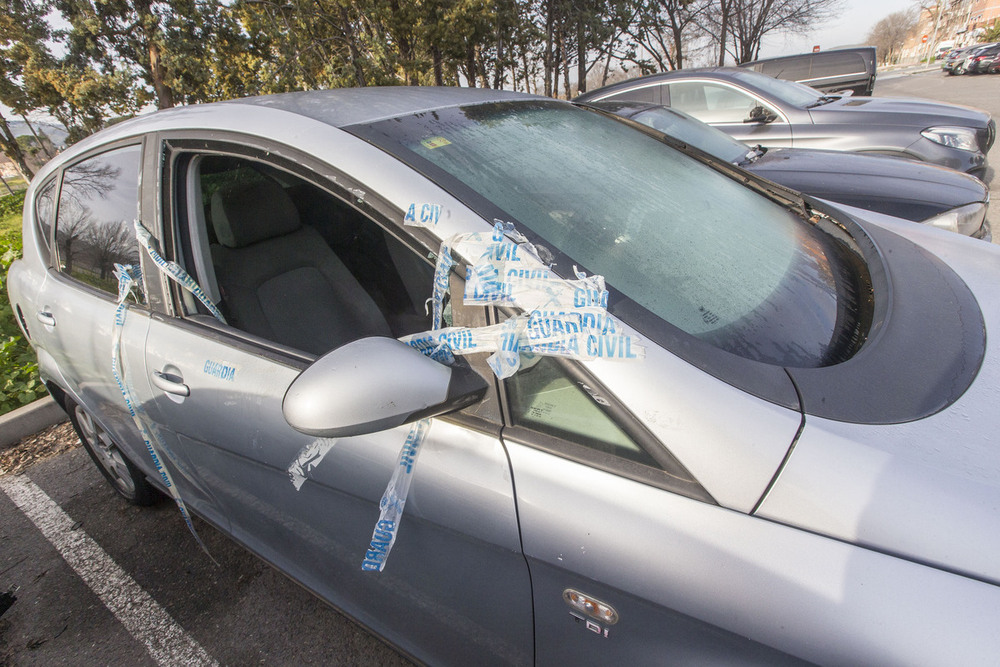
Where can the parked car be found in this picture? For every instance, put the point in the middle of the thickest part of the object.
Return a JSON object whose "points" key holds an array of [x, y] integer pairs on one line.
{"points": [[991, 65], [964, 61], [758, 109], [829, 71], [984, 60], [955, 57], [906, 189], [770, 439]]}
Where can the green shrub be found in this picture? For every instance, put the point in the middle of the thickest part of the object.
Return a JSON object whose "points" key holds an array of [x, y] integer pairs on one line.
{"points": [[19, 381], [10, 216]]}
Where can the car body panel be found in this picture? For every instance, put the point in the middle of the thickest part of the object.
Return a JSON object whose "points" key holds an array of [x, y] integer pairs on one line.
{"points": [[580, 528], [460, 515], [936, 479], [905, 189]]}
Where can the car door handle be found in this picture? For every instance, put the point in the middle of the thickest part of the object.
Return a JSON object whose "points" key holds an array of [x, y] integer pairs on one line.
{"points": [[170, 383], [46, 318]]}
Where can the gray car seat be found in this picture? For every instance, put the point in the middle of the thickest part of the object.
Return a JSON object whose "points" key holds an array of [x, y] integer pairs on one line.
{"points": [[278, 279]]}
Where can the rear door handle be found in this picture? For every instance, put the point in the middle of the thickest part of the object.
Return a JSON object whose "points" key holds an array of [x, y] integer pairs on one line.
{"points": [[45, 317], [170, 383]]}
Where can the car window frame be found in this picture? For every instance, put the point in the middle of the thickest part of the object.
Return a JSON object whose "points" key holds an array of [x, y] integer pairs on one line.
{"points": [[45, 241], [483, 416], [141, 213]]}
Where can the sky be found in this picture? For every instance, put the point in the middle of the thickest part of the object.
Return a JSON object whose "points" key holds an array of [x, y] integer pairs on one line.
{"points": [[850, 28]]}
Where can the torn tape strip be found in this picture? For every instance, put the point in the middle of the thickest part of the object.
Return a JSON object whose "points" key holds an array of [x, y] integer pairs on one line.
{"points": [[174, 271], [125, 282], [308, 459], [394, 499]]}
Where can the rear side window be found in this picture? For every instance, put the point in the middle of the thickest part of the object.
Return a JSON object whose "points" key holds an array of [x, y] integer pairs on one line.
{"points": [[98, 203], [45, 206], [837, 64], [646, 94], [793, 69]]}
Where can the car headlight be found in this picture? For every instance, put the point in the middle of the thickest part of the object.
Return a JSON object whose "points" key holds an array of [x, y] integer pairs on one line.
{"points": [[953, 137], [965, 219]]}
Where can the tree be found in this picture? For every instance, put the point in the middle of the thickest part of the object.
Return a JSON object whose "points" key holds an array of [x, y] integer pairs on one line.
{"points": [[890, 33], [749, 21], [664, 29], [165, 46]]}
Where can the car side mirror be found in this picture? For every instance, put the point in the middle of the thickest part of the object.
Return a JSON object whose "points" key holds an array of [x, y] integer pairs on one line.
{"points": [[760, 114], [373, 384]]}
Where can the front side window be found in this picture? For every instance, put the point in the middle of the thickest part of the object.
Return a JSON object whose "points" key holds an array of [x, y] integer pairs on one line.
{"points": [[789, 92], [546, 399], [290, 262], [98, 204], [711, 103], [679, 244]]}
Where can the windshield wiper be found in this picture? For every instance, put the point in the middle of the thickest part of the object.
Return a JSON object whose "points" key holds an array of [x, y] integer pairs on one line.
{"points": [[752, 155], [826, 99]]}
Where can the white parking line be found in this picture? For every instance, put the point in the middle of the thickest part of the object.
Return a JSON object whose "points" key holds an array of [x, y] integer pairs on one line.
{"points": [[142, 616]]}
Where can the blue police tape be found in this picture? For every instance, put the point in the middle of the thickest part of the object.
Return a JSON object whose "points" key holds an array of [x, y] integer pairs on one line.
{"points": [[126, 280], [174, 271], [394, 499], [562, 318]]}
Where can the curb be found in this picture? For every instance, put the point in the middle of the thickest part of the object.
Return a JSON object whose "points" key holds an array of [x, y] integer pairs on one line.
{"points": [[29, 419]]}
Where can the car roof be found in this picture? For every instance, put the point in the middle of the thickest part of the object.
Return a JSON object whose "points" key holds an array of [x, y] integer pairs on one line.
{"points": [[711, 72], [337, 108], [341, 107]]}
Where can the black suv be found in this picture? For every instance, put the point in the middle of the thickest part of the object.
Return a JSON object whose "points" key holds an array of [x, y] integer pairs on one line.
{"points": [[828, 71]]}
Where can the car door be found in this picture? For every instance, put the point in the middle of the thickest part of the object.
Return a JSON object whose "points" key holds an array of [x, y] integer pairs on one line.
{"points": [[455, 589], [97, 201], [728, 108], [631, 559]]}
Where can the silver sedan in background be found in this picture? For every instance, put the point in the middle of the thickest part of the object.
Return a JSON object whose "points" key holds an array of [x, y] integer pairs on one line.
{"points": [[759, 109], [676, 415]]}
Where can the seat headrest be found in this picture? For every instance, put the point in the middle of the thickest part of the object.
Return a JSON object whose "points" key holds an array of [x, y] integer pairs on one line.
{"points": [[246, 213]]}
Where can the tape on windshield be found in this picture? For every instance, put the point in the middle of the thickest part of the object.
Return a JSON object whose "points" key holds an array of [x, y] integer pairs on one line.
{"points": [[129, 276], [394, 499], [562, 317]]}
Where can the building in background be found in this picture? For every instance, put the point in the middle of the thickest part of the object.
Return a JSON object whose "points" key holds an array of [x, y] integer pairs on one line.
{"points": [[958, 23]]}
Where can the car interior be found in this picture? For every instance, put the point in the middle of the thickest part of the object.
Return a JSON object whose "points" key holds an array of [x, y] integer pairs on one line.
{"points": [[290, 262]]}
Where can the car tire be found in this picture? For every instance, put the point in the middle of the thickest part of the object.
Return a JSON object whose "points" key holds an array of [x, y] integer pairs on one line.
{"points": [[960, 70], [124, 477]]}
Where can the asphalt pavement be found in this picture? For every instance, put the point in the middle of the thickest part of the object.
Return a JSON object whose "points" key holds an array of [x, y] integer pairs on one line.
{"points": [[105, 583]]}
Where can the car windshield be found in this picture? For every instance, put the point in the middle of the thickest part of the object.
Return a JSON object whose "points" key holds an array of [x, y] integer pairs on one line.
{"points": [[679, 243], [789, 92], [704, 137]]}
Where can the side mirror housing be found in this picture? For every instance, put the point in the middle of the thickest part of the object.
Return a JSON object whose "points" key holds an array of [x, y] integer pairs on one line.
{"points": [[760, 114], [373, 384]]}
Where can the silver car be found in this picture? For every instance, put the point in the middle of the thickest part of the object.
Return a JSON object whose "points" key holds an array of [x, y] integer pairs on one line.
{"points": [[663, 416], [758, 109]]}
